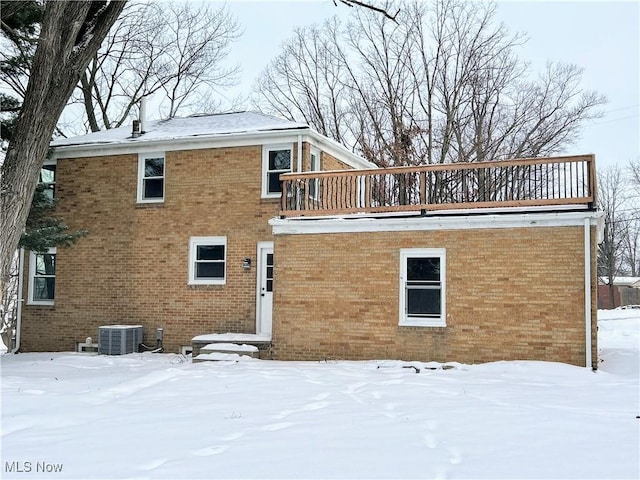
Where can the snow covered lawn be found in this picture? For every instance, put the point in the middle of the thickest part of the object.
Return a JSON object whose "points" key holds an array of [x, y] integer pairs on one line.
{"points": [[157, 416]]}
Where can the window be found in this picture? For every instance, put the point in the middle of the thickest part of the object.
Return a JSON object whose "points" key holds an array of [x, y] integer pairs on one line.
{"points": [[422, 287], [276, 160], [151, 178], [48, 179], [314, 167], [42, 277], [207, 260]]}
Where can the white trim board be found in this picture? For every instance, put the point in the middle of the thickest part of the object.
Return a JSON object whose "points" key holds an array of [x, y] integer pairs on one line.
{"points": [[300, 226], [140, 145]]}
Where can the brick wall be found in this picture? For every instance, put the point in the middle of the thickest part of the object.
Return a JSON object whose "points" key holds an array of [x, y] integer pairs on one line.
{"points": [[511, 294], [132, 268]]}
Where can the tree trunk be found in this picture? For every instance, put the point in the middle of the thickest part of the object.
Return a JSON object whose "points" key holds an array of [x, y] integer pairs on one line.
{"points": [[70, 35]]}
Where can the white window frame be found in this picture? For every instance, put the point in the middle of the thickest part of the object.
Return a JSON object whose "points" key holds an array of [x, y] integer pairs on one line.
{"points": [[142, 157], [32, 276], [194, 242], [405, 319], [49, 163], [265, 167]]}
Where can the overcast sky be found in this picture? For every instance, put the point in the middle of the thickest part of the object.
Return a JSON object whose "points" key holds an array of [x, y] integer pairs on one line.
{"points": [[603, 37]]}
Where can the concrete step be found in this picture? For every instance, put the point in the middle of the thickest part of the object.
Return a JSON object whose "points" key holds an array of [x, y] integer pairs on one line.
{"points": [[226, 351]]}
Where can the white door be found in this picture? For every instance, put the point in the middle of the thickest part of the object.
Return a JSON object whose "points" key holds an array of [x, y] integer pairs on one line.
{"points": [[265, 288]]}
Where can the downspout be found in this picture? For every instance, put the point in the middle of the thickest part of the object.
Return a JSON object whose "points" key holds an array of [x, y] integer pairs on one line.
{"points": [[20, 300], [587, 291], [299, 153]]}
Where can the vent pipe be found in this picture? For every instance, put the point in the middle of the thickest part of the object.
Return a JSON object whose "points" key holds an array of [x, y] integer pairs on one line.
{"points": [[135, 132], [143, 114]]}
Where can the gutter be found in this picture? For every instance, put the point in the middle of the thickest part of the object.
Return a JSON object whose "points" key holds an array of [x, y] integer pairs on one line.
{"points": [[20, 300]]}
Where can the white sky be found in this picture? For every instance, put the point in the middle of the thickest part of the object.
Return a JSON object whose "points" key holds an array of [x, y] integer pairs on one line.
{"points": [[603, 37]]}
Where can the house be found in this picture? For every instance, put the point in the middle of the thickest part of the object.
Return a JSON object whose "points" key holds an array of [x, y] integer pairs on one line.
{"points": [[190, 232], [626, 291]]}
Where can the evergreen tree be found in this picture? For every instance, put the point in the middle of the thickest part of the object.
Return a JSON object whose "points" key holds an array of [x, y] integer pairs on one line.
{"points": [[44, 229]]}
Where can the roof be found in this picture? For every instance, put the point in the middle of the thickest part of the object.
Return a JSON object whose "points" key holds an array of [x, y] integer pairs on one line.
{"points": [[622, 281], [188, 127], [201, 131]]}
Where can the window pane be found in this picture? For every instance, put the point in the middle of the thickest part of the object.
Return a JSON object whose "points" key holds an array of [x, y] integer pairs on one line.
{"points": [[425, 269], [269, 272], [154, 167], [423, 301], [154, 188], [275, 186], [210, 252], [46, 264], [269, 285], [210, 270], [280, 160], [48, 174], [49, 191], [44, 288]]}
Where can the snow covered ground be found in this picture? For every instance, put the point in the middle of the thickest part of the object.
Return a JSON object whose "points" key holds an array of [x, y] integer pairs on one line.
{"points": [[157, 416]]}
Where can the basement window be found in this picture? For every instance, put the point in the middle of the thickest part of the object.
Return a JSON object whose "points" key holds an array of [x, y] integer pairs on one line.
{"points": [[422, 287], [207, 260], [151, 176], [42, 277]]}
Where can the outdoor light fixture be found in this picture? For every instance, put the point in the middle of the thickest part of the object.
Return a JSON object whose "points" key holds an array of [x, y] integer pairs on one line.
{"points": [[246, 263]]}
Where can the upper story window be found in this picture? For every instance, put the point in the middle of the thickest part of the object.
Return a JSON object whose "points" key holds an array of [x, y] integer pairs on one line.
{"points": [[48, 178], [42, 277], [151, 176], [422, 287], [207, 260], [276, 160]]}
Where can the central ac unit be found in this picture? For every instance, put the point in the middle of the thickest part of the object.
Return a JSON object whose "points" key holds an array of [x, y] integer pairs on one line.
{"points": [[119, 339]]}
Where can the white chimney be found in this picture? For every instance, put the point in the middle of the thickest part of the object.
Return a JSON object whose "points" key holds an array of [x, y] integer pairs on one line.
{"points": [[143, 114]]}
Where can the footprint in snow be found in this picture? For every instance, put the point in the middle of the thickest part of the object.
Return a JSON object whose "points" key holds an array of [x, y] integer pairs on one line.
{"points": [[212, 450], [277, 426], [233, 436], [430, 440], [153, 464], [456, 456]]}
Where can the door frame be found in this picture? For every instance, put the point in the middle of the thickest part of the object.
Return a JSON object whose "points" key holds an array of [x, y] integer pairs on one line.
{"points": [[260, 270]]}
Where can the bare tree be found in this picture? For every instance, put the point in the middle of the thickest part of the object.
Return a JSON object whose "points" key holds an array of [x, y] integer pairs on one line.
{"points": [[442, 83], [631, 246], [611, 200], [70, 34], [177, 49]]}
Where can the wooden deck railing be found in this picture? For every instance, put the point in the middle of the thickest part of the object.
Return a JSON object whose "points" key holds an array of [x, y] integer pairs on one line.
{"points": [[511, 183]]}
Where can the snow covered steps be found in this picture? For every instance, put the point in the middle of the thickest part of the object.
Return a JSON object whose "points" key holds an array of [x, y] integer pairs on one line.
{"points": [[226, 351], [227, 346]]}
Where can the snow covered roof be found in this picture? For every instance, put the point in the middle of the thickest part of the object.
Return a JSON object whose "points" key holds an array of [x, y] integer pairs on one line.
{"points": [[181, 128], [622, 281], [201, 131]]}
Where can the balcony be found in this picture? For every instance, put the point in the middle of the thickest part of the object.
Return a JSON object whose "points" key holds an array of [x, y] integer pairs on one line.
{"points": [[554, 183]]}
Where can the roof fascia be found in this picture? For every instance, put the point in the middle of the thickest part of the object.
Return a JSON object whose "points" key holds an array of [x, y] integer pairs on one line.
{"points": [[339, 151], [346, 224], [191, 143]]}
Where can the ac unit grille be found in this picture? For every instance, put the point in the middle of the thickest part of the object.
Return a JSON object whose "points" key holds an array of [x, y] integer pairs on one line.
{"points": [[119, 339]]}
